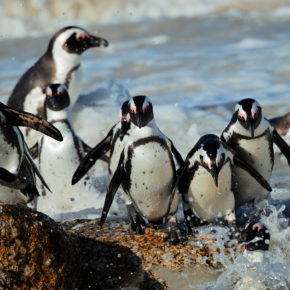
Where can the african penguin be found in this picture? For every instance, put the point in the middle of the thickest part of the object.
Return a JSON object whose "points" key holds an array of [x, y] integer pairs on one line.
{"points": [[61, 63], [58, 160], [256, 236], [113, 142], [251, 135], [17, 181], [146, 171], [206, 182]]}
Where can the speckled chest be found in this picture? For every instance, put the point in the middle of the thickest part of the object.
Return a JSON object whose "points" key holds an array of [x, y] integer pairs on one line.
{"points": [[207, 200], [149, 176], [258, 152]]}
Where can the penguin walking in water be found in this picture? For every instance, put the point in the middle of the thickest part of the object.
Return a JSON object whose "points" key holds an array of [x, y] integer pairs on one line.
{"points": [[206, 182], [58, 160], [146, 172], [61, 63], [114, 142], [251, 135], [17, 178]]}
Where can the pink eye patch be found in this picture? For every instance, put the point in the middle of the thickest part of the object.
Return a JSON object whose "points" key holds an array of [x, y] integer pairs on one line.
{"points": [[83, 36]]}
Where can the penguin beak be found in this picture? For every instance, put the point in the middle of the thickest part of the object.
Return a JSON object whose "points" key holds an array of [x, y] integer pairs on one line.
{"points": [[95, 41], [215, 173], [140, 121], [252, 128], [125, 126]]}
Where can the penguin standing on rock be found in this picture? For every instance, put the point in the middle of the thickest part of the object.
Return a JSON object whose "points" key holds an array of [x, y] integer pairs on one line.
{"points": [[206, 182], [252, 136], [146, 171], [114, 141], [58, 160], [61, 63], [17, 178]]}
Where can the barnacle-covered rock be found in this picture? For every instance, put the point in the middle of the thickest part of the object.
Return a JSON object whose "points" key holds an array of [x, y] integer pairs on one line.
{"points": [[35, 252]]}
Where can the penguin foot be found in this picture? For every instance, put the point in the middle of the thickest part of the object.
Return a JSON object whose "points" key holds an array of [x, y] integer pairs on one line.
{"points": [[256, 236], [173, 233], [192, 222], [137, 222]]}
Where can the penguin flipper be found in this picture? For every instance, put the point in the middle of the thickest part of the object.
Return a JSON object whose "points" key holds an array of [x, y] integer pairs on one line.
{"points": [[283, 146], [34, 167], [20, 118], [113, 187], [10, 180], [88, 148], [93, 155], [177, 155], [252, 171]]}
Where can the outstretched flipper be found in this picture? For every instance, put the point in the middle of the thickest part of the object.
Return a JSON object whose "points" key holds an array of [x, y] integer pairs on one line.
{"points": [[88, 148], [113, 187], [283, 146], [20, 118], [253, 172], [34, 167], [90, 159]]}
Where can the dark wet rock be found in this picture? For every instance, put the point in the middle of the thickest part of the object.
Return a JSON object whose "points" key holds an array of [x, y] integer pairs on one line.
{"points": [[35, 252]]}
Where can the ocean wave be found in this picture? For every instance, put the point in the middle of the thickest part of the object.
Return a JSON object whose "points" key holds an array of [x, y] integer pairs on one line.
{"points": [[33, 18]]}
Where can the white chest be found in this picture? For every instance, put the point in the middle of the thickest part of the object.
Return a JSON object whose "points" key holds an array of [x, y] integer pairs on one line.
{"points": [[257, 152], [151, 179], [208, 201]]}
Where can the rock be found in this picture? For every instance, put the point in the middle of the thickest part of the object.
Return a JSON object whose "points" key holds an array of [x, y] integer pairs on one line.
{"points": [[35, 252]]}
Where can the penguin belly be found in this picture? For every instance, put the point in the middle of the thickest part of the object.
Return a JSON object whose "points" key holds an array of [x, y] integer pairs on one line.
{"points": [[257, 153], [57, 163], [208, 201], [151, 180], [11, 196]]}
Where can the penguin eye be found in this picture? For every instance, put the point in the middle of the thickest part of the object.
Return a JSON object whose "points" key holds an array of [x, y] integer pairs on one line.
{"points": [[59, 92], [145, 108], [83, 36], [133, 109], [242, 115], [255, 114]]}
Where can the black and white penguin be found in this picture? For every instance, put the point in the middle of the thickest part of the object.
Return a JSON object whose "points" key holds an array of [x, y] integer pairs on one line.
{"points": [[58, 160], [252, 136], [256, 236], [114, 142], [206, 182], [61, 63], [17, 181], [146, 171]]}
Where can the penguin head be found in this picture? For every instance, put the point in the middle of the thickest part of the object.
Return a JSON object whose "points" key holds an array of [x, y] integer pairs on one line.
{"points": [[256, 236], [140, 110], [57, 97], [249, 114], [211, 154], [124, 118], [74, 40]]}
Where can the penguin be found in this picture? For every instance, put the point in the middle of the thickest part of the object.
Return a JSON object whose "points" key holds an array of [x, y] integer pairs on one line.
{"points": [[113, 142], [256, 236], [281, 124], [17, 169], [205, 183], [61, 63], [58, 160], [146, 171], [251, 135]]}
